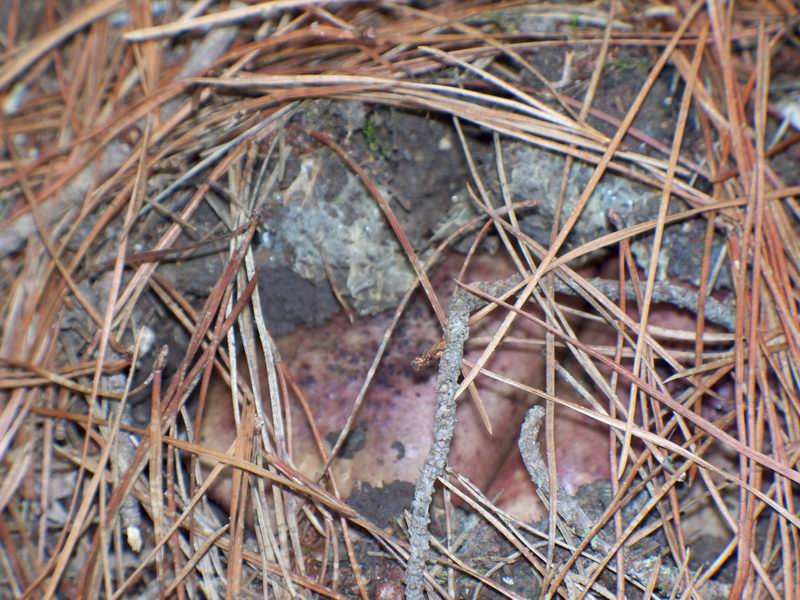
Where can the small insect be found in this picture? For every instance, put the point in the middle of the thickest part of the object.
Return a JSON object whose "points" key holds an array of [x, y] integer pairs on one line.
{"points": [[428, 357]]}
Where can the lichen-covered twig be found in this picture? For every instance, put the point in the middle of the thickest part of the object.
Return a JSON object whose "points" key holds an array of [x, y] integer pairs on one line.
{"points": [[639, 569], [568, 508], [456, 332], [678, 296]]}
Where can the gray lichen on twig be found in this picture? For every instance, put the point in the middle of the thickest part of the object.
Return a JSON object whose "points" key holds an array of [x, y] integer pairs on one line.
{"points": [[568, 508], [678, 296], [456, 332], [640, 568]]}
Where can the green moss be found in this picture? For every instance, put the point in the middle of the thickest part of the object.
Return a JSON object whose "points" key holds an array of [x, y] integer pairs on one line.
{"points": [[502, 22], [622, 63], [375, 145]]}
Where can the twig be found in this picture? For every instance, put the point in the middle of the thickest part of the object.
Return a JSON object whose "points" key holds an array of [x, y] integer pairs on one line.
{"points": [[456, 332], [715, 311], [719, 313], [641, 569], [567, 506]]}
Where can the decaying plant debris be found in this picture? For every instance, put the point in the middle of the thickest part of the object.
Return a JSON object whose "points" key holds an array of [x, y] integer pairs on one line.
{"points": [[191, 190]]}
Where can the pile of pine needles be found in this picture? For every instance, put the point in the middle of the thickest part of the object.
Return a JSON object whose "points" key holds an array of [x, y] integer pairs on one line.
{"points": [[101, 98]]}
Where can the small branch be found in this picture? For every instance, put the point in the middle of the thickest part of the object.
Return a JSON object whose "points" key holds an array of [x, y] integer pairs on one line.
{"points": [[717, 312], [456, 332], [639, 569], [567, 507]]}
